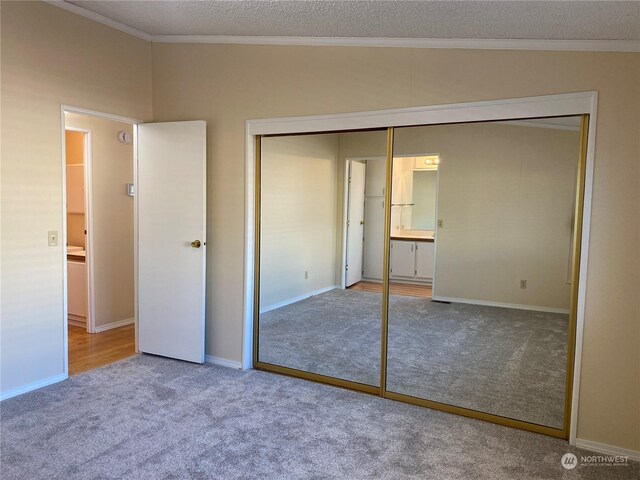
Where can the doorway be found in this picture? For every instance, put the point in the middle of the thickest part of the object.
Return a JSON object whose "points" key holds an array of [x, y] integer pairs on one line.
{"points": [[99, 240]]}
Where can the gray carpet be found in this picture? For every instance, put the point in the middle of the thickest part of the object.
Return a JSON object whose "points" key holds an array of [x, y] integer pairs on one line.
{"points": [[497, 360], [154, 418]]}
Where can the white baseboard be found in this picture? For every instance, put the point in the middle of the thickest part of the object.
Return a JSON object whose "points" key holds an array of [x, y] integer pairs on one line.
{"points": [[222, 362], [119, 323], [607, 449], [517, 306], [77, 321], [33, 386], [298, 298]]}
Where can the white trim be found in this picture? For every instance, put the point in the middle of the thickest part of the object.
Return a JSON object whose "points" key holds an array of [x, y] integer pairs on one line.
{"points": [[517, 306], [607, 449], [299, 298], [222, 362], [112, 325], [439, 43], [96, 113], [65, 303], [136, 314], [584, 263], [561, 105], [249, 245], [533, 123], [34, 386], [514, 108], [345, 214], [96, 17], [77, 321], [88, 225]]}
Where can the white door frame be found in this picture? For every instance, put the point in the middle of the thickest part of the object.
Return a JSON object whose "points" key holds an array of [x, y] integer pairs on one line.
{"points": [[89, 217], [506, 109]]}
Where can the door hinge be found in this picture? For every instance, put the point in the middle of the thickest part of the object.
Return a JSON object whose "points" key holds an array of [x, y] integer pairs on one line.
{"points": [[347, 223], [415, 272], [346, 267], [349, 179]]}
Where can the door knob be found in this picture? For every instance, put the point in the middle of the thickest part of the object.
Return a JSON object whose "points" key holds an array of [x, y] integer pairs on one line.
{"points": [[195, 244]]}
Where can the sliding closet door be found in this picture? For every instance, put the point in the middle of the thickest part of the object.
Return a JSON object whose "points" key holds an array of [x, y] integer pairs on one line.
{"points": [[483, 225], [321, 211]]}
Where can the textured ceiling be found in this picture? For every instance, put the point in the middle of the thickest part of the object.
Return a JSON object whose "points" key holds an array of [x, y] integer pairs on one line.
{"points": [[555, 20]]}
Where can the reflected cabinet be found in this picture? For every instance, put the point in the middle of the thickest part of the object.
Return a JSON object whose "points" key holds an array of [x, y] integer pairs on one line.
{"points": [[431, 264]]}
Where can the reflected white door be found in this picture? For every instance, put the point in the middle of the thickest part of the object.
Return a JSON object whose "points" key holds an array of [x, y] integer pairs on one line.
{"points": [[355, 222], [171, 196]]}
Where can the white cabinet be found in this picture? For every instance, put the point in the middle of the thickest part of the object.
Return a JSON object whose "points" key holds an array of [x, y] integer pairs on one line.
{"points": [[411, 260], [424, 260], [77, 288], [402, 259]]}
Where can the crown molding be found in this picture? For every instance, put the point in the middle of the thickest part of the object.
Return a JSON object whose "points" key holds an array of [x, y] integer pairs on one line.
{"points": [[70, 7], [459, 43], [443, 43]]}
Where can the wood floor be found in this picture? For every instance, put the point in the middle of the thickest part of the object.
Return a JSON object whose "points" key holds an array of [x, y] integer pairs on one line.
{"points": [[92, 350], [413, 290]]}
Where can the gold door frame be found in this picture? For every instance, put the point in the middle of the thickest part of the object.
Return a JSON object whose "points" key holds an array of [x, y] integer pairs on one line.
{"points": [[382, 390]]}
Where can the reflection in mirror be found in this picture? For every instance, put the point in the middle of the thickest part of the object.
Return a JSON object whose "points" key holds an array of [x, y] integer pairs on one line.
{"points": [[491, 334], [321, 253], [414, 183]]}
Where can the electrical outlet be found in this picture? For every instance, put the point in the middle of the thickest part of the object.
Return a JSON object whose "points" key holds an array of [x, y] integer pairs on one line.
{"points": [[52, 236], [523, 284], [306, 275]]}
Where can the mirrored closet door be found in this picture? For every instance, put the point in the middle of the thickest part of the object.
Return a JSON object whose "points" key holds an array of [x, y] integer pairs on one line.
{"points": [[482, 232], [322, 212], [435, 265]]}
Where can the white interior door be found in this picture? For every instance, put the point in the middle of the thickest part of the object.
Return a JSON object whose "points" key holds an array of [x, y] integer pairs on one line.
{"points": [[355, 222], [171, 196]]}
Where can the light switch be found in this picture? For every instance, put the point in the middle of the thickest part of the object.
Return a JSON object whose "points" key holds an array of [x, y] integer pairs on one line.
{"points": [[52, 236]]}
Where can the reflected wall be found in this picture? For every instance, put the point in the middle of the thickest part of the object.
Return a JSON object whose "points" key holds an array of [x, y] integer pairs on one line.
{"points": [[321, 238]]}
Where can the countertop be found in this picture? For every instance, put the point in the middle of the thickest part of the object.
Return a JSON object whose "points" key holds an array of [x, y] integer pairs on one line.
{"points": [[413, 238], [76, 255]]}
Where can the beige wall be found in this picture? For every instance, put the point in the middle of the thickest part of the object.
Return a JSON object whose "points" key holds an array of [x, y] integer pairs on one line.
{"points": [[112, 218], [506, 196], [228, 84], [49, 57], [299, 224]]}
